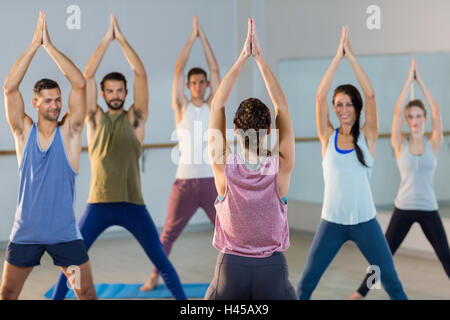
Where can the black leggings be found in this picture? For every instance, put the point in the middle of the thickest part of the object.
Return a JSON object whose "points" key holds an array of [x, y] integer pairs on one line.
{"points": [[398, 228], [244, 278]]}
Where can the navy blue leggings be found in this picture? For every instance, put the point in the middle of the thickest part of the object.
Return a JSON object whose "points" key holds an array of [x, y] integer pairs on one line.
{"points": [[136, 219], [369, 238]]}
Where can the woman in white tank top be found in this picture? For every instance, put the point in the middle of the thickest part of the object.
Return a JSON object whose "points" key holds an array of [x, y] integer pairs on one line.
{"points": [[348, 211], [416, 159]]}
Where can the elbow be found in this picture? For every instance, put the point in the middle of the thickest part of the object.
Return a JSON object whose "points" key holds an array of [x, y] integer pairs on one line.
{"points": [[216, 105], [214, 70], [179, 68], [370, 95], [290, 164], [77, 126], [8, 88], [321, 97], [140, 72], [87, 74], [79, 83]]}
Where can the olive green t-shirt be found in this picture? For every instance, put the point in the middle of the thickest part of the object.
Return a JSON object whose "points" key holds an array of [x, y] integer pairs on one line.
{"points": [[114, 154]]}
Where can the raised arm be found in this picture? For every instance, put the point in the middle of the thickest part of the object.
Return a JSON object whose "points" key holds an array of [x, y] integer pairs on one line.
{"points": [[77, 96], [370, 127], [397, 122], [437, 135], [214, 79], [94, 112], [217, 144], [18, 120], [286, 140], [283, 120], [179, 99], [324, 126], [139, 109]]}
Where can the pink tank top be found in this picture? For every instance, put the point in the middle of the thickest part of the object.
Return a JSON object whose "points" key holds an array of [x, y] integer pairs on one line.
{"points": [[251, 219]]}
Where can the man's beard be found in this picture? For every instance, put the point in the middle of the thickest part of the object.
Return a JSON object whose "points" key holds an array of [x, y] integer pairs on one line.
{"points": [[51, 117], [113, 107]]}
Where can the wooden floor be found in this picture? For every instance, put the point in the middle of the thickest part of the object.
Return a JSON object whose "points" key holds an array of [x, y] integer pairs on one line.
{"points": [[122, 260]]}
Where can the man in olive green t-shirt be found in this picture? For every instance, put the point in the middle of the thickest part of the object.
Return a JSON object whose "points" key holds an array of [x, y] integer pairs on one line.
{"points": [[115, 141]]}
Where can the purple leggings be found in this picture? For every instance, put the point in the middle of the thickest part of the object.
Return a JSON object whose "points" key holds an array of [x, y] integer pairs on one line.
{"points": [[186, 197]]}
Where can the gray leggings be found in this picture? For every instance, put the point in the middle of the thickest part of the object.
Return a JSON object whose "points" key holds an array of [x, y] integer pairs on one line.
{"points": [[245, 278]]}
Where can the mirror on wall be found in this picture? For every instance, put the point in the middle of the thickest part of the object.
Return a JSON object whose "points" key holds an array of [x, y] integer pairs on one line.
{"points": [[300, 79]]}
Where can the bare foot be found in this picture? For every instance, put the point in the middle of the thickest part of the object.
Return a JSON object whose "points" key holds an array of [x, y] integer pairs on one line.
{"points": [[151, 283], [355, 296]]}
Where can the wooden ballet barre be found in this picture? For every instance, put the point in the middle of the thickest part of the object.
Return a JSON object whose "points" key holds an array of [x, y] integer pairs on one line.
{"points": [[171, 145], [380, 136], [7, 152], [145, 146]]}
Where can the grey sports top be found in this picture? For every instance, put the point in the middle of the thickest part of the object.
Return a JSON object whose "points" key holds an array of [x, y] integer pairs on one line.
{"points": [[416, 190]]}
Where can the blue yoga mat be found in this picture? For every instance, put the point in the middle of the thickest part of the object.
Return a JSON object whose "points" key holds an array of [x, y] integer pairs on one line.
{"points": [[131, 291]]}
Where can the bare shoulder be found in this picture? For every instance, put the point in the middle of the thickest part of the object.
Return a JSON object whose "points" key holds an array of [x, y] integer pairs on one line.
{"points": [[209, 100], [435, 145], [398, 145], [371, 132], [28, 123], [180, 110], [135, 117], [94, 118], [137, 123], [72, 143], [92, 123], [326, 138], [99, 114], [371, 137], [69, 136], [21, 138]]}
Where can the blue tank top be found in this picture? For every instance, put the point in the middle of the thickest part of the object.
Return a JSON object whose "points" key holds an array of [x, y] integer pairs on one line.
{"points": [[45, 203], [348, 196]]}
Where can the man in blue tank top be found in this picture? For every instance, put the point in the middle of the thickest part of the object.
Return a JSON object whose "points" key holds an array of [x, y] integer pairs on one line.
{"points": [[48, 154]]}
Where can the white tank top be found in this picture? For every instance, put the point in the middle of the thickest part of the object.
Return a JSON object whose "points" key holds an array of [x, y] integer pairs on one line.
{"points": [[348, 196], [193, 143]]}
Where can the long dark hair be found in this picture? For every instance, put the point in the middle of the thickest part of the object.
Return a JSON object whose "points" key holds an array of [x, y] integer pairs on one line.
{"points": [[252, 113], [357, 102]]}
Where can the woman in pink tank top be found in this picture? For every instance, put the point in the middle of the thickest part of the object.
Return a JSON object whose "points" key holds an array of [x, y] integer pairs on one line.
{"points": [[251, 230]]}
